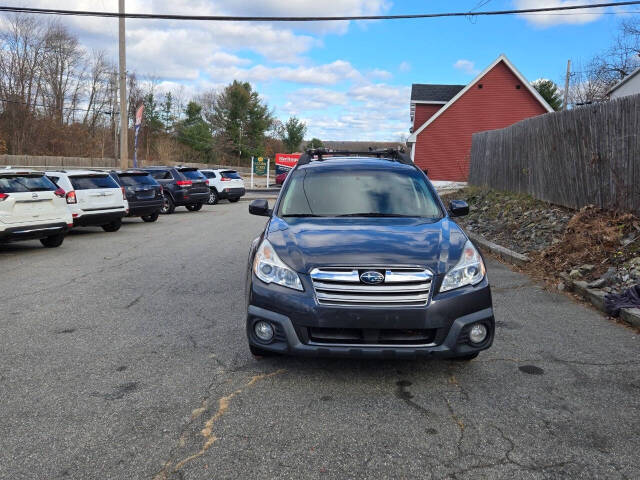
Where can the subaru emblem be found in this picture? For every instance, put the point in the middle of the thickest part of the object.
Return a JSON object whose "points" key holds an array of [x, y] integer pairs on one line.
{"points": [[372, 277]]}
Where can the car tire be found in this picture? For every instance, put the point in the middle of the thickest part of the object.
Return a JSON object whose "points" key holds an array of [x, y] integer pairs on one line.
{"points": [[466, 358], [53, 241], [213, 197], [259, 352], [234, 200], [113, 226], [150, 218], [168, 206], [195, 207]]}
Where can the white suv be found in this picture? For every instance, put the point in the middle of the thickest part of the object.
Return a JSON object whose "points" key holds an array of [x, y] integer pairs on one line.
{"points": [[94, 198], [32, 207], [224, 184]]}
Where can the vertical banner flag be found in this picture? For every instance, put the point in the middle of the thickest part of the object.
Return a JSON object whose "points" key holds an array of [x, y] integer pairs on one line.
{"points": [[139, 113]]}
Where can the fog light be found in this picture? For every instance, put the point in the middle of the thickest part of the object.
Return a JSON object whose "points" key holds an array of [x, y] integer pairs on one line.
{"points": [[263, 330], [478, 333]]}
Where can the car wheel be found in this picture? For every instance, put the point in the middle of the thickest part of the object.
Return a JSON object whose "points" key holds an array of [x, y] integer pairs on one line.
{"points": [[194, 208], [259, 352], [167, 205], [466, 358], [213, 197], [234, 200], [150, 218], [53, 241], [113, 226]]}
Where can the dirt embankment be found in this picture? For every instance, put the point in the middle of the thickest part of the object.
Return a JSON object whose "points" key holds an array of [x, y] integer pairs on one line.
{"points": [[595, 245]]}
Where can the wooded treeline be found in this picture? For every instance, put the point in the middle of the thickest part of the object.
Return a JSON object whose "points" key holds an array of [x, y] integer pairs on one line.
{"points": [[57, 98], [587, 155]]}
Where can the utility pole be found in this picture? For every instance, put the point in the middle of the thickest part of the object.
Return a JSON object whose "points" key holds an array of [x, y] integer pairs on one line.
{"points": [[124, 120], [565, 101]]}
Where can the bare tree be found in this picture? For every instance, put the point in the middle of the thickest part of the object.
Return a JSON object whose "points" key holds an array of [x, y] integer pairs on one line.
{"points": [[99, 94], [591, 84], [64, 68], [22, 49]]}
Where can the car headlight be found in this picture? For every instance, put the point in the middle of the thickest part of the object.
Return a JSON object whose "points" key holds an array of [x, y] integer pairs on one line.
{"points": [[270, 269], [468, 271]]}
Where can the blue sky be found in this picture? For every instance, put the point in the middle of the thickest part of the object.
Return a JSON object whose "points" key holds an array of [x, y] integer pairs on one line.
{"points": [[346, 80]]}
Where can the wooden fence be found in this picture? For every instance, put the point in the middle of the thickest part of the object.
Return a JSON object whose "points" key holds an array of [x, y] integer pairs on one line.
{"points": [[588, 155]]}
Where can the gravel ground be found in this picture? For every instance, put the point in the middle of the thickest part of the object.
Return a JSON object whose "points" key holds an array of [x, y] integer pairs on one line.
{"points": [[123, 356]]}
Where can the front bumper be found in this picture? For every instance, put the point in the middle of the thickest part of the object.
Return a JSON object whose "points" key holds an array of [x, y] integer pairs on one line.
{"points": [[33, 232], [294, 314], [98, 219]]}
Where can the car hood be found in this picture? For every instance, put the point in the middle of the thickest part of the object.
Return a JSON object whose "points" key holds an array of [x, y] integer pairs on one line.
{"points": [[307, 243]]}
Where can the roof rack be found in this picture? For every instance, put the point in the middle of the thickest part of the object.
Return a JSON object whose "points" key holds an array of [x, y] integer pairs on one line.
{"points": [[396, 154]]}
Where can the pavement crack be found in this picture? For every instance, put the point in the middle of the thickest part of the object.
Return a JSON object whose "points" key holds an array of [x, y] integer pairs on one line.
{"points": [[207, 431], [134, 301], [458, 421]]}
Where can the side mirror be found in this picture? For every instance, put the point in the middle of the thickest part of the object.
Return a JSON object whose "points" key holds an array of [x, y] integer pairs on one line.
{"points": [[458, 208], [260, 207]]}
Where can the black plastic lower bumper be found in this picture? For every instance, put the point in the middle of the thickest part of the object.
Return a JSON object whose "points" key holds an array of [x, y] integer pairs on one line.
{"points": [[142, 209], [232, 193], [98, 219], [33, 232], [190, 198]]}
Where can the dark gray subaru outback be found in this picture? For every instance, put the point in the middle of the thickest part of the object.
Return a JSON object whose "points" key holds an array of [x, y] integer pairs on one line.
{"points": [[361, 258]]}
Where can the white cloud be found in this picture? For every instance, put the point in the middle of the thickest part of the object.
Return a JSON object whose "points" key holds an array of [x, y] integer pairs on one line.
{"points": [[578, 16], [306, 99], [380, 74], [378, 92], [404, 67], [326, 74], [466, 66]]}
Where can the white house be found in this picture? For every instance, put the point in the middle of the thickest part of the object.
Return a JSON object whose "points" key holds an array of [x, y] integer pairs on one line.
{"points": [[629, 85]]}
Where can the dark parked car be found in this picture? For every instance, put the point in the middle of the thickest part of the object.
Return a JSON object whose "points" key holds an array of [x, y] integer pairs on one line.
{"points": [[182, 186], [361, 258], [144, 193]]}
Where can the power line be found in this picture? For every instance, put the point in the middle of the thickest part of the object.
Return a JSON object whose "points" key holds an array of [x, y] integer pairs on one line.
{"points": [[235, 18]]}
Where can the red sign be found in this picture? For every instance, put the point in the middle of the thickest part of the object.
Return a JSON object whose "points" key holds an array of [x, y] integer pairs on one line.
{"points": [[287, 160]]}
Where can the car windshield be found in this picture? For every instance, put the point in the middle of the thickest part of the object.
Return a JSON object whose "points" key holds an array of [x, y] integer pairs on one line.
{"points": [[192, 174], [208, 174], [358, 193], [88, 182], [230, 174], [135, 179], [26, 183]]}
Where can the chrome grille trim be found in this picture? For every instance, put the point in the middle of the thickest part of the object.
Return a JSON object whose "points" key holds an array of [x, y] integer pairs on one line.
{"points": [[341, 286]]}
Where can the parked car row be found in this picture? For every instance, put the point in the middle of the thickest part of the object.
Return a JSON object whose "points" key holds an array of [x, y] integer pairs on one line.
{"points": [[46, 205]]}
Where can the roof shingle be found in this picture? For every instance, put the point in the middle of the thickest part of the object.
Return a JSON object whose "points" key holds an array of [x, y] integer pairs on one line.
{"points": [[434, 93]]}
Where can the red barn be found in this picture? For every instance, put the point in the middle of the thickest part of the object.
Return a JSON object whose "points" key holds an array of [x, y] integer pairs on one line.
{"points": [[445, 116]]}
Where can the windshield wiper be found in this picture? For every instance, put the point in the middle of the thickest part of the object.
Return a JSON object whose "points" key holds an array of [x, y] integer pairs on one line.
{"points": [[374, 214]]}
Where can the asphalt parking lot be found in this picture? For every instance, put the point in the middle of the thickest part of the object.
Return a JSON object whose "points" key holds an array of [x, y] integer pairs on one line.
{"points": [[124, 356]]}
